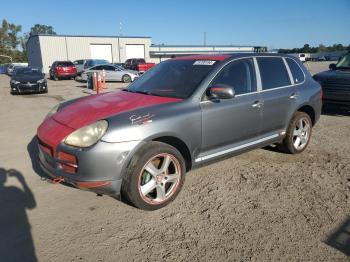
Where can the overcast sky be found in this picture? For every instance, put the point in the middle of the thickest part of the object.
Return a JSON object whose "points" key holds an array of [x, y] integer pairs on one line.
{"points": [[272, 23]]}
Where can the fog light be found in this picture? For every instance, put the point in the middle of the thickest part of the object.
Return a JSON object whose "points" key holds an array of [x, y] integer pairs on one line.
{"points": [[13, 88]]}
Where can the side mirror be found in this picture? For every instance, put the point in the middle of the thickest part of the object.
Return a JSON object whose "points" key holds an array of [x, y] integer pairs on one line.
{"points": [[332, 66], [221, 91]]}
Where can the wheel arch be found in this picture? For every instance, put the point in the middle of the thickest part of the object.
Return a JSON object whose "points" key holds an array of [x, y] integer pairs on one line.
{"points": [[179, 145], [310, 111]]}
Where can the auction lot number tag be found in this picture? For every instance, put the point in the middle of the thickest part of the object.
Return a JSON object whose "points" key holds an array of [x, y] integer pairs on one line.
{"points": [[204, 62]]}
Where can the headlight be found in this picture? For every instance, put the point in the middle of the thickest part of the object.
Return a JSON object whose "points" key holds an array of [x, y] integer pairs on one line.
{"points": [[41, 81], [14, 82], [87, 135], [52, 111]]}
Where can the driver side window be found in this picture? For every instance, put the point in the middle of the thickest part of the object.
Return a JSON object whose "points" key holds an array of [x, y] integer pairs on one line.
{"points": [[239, 74]]}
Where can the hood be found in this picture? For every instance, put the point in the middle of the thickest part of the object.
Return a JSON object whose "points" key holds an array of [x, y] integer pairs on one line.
{"points": [[27, 78], [332, 74], [90, 109]]}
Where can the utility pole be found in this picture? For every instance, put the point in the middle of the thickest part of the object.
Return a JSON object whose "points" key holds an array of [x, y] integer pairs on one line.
{"points": [[205, 38]]}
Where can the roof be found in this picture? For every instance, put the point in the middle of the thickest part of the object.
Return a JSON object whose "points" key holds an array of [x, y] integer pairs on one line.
{"points": [[203, 57], [101, 36], [210, 46], [221, 57]]}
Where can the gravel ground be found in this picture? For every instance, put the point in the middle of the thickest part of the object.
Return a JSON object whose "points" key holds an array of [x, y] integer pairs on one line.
{"points": [[259, 206]]}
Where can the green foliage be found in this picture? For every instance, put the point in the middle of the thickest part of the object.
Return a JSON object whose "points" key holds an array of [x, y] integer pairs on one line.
{"points": [[10, 40], [42, 29], [321, 48]]}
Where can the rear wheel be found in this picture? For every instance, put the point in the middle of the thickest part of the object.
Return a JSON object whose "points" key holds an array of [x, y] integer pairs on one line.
{"points": [[55, 77], [154, 177], [126, 79], [298, 134]]}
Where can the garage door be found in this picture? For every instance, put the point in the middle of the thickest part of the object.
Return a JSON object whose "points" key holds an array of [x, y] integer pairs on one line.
{"points": [[101, 52], [135, 51]]}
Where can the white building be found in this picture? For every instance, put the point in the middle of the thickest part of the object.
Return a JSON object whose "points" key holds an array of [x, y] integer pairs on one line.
{"points": [[43, 50]]}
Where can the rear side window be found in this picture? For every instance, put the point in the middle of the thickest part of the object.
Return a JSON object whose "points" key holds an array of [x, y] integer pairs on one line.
{"points": [[296, 71], [273, 72], [239, 74]]}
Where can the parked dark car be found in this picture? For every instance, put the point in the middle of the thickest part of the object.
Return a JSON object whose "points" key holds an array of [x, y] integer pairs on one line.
{"points": [[185, 112], [336, 83], [28, 80], [62, 70], [138, 64]]}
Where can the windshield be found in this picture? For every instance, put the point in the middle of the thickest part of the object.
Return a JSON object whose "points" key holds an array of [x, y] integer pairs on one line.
{"points": [[28, 72], [173, 78], [344, 62]]}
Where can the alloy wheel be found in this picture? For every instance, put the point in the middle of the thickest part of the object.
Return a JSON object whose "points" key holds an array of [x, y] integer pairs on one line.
{"points": [[301, 133], [159, 178]]}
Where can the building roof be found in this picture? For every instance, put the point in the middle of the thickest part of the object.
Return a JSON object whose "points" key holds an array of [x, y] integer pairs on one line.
{"points": [[101, 36]]}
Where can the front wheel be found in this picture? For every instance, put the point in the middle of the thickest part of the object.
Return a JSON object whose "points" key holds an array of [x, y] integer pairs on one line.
{"points": [[298, 134], [154, 177], [126, 79]]}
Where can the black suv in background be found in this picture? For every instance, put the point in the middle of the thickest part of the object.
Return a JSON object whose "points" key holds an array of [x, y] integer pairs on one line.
{"points": [[336, 83]]}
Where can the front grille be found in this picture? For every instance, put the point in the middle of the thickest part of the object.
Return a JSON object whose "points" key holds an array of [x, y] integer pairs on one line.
{"points": [[28, 86], [336, 84]]}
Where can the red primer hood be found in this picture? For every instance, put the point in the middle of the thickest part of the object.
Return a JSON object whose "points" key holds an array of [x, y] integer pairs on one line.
{"points": [[96, 107]]}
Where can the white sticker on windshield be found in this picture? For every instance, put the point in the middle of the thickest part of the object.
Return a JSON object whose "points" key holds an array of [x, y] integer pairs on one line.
{"points": [[204, 62]]}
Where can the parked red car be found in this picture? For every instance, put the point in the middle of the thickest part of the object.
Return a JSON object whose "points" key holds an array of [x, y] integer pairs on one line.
{"points": [[138, 64], [62, 69]]}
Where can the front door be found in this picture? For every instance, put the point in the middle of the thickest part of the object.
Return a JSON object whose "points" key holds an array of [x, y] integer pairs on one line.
{"points": [[230, 121]]}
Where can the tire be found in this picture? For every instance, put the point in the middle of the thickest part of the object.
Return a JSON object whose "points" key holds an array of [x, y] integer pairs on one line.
{"points": [[300, 127], [126, 79], [163, 186], [51, 77], [55, 77]]}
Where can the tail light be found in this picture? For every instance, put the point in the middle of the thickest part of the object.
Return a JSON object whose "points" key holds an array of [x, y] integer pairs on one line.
{"points": [[321, 93], [69, 162]]}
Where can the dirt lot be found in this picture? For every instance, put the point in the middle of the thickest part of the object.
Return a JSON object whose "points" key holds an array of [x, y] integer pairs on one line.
{"points": [[259, 206]]}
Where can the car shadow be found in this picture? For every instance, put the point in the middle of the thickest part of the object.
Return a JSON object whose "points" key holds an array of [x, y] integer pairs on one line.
{"points": [[16, 243], [340, 238]]}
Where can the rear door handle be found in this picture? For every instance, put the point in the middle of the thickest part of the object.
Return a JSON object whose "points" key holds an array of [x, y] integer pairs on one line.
{"points": [[257, 104], [294, 96]]}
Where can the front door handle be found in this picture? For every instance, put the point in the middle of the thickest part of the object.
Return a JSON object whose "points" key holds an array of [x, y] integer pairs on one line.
{"points": [[294, 96], [257, 104]]}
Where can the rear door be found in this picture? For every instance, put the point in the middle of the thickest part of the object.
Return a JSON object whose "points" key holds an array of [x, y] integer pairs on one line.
{"points": [[278, 93]]}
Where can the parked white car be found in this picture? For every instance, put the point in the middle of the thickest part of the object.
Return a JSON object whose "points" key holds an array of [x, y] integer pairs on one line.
{"points": [[113, 73]]}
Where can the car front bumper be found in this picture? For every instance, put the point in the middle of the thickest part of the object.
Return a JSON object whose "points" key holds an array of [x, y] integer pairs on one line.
{"points": [[99, 169], [22, 88]]}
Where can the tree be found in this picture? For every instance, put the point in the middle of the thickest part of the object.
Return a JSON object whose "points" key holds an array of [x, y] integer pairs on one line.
{"points": [[42, 29], [9, 40]]}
